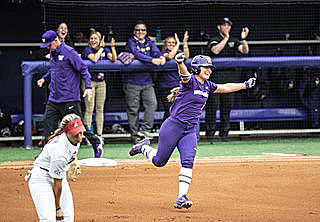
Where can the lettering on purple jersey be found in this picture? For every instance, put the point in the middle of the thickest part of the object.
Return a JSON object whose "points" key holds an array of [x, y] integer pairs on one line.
{"points": [[199, 92]]}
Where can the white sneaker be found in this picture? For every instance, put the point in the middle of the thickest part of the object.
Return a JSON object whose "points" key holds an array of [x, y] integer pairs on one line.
{"points": [[101, 139]]}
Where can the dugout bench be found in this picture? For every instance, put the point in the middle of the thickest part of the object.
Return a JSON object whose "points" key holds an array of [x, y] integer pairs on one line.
{"points": [[240, 116]]}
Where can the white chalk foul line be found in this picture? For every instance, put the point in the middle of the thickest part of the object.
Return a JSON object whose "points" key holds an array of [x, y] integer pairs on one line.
{"points": [[279, 154], [219, 159]]}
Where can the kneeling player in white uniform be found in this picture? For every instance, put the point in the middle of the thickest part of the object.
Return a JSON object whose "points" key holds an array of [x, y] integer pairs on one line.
{"points": [[48, 184]]}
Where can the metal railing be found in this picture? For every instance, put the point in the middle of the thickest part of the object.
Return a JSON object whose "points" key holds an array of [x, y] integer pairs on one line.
{"points": [[195, 43]]}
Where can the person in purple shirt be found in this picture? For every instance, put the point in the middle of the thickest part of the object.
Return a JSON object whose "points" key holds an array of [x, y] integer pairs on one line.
{"points": [[170, 79], [96, 51], [64, 72], [179, 130], [139, 85]]}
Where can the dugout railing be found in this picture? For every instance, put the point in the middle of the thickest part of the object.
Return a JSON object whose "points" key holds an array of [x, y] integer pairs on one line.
{"points": [[29, 68]]}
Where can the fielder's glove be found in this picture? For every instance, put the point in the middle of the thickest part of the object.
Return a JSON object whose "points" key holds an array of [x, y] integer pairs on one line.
{"points": [[74, 170], [250, 83]]}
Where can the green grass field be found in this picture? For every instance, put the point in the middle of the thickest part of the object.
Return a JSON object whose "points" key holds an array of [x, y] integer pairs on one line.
{"points": [[309, 146]]}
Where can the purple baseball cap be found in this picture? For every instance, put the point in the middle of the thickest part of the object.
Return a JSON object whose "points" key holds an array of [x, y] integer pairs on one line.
{"points": [[47, 38]]}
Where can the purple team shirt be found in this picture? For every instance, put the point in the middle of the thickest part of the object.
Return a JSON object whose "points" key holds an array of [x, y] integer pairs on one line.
{"points": [[168, 79], [144, 52], [64, 72], [191, 100], [87, 51]]}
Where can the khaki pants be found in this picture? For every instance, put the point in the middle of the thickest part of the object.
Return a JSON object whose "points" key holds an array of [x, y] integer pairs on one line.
{"points": [[97, 103]]}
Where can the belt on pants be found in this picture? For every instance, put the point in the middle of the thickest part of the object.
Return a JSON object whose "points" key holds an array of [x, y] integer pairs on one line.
{"points": [[44, 169]]}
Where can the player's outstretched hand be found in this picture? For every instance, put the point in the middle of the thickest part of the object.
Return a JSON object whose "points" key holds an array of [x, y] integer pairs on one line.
{"points": [[250, 82], [180, 57]]}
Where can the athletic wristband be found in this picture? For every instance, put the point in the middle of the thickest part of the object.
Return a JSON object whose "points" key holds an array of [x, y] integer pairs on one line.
{"points": [[185, 77], [247, 84], [179, 62], [58, 208], [243, 39]]}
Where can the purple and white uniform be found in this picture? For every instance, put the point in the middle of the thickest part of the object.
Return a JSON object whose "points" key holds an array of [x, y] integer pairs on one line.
{"points": [[179, 129]]}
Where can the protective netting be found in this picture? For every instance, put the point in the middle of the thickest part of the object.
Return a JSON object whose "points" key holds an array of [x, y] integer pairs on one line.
{"points": [[268, 21]]}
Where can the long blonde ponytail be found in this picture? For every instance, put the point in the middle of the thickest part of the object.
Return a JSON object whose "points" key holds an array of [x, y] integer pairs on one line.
{"points": [[173, 95]]}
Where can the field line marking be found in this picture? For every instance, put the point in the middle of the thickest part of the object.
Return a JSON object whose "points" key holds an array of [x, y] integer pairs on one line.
{"points": [[219, 159]]}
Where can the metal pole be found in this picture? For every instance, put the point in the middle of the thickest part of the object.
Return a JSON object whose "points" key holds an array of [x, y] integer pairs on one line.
{"points": [[28, 111]]}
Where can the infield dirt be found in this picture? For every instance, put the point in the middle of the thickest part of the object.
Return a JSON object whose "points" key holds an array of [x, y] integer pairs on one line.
{"points": [[244, 189]]}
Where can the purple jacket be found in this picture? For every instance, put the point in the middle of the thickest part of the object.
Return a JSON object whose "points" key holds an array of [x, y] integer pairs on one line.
{"points": [[64, 72], [144, 52]]}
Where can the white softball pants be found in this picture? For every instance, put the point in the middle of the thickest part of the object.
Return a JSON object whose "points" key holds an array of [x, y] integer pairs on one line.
{"points": [[41, 189]]}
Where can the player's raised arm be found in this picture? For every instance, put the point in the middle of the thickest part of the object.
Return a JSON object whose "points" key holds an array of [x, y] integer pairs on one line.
{"points": [[183, 70], [233, 87]]}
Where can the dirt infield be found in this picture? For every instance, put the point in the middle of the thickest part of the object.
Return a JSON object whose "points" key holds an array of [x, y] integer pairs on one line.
{"points": [[222, 189]]}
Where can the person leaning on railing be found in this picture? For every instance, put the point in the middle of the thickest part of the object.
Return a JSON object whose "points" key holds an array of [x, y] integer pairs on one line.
{"points": [[139, 86]]}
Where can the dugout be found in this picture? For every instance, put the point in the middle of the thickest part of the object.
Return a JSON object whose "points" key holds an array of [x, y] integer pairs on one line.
{"points": [[278, 29], [259, 63]]}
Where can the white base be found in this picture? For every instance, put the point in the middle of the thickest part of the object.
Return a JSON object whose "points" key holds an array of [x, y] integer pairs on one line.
{"points": [[97, 162]]}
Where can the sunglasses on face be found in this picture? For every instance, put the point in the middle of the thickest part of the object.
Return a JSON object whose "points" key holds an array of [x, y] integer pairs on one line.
{"points": [[140, 30]]}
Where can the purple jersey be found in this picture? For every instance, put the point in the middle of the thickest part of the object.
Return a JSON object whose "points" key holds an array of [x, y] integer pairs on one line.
{"points": [[88, 51], [168, 79], [144, 52], [191, 99]]}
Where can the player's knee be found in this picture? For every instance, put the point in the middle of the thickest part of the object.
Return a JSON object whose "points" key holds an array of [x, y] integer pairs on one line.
{"points": [[158, 163]]}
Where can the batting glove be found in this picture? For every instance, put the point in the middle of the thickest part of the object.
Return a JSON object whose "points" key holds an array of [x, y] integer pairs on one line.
{"points": [[250, 83], [180, 57]]}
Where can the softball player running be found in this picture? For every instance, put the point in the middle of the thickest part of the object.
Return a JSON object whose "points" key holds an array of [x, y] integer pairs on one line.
{"points": [[48, 185], [179, 129]]}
